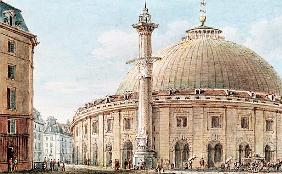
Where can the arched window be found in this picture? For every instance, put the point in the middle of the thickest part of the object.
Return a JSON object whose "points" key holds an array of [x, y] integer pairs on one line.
{"points": [[11, 20], [217, 153]]}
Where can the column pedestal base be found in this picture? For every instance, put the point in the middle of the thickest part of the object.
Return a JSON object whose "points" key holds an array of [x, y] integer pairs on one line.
{"points": [[145, 159]]}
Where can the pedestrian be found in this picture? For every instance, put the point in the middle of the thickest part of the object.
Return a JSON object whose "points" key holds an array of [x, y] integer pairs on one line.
{"points": [[15, 166], [158, 169], [125, 164], [45, 164], [144, 165], [129, 163], [63, 167], [51, 165], [58, 163], [190, 164], [116, 164], [110, 162], [55, 167], [227, 167], [202, 163], [10, 165], [186, 166]]}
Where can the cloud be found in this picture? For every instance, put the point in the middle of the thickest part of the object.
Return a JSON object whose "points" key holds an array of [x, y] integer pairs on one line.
{"points": [[232, 34], [116, 44], [266, 38], [123, 45], [173, 32], [63, 87]]}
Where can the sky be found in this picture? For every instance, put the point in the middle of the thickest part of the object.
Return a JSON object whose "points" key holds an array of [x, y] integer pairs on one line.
{"points": [[84, 44]]}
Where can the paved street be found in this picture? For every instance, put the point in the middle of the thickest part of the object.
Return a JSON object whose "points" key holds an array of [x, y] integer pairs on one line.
{"points": [[81, 169]]}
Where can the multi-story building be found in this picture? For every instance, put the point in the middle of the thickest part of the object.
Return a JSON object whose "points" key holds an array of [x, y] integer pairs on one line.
{"points": [[57, 141], [16, 88], [38, 131]]}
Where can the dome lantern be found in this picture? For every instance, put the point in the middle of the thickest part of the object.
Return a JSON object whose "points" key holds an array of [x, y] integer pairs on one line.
{"points": [[203, 11], [203, 31]]}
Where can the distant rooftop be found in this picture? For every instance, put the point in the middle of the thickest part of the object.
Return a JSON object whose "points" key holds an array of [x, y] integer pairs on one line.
{"points": [[12, 16]]}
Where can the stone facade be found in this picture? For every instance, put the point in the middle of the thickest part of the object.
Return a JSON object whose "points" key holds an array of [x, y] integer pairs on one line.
{"points": [[16, 89], [38, 131], [183, 126], [58, 142]]}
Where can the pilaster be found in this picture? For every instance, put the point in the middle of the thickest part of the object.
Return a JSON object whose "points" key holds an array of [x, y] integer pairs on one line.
{"points": [[100, 142], [117, 136], [259, 132], [164, 133]]}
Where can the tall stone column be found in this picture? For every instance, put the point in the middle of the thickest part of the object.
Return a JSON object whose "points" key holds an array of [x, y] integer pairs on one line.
{"points": [[144, 153]]}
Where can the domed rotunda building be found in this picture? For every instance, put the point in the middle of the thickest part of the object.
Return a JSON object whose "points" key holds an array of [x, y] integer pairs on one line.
{"points": [[202, 97]]}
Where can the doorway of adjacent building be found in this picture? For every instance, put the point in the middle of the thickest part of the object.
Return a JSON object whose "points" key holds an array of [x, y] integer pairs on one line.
{"points": [[10, 153]]}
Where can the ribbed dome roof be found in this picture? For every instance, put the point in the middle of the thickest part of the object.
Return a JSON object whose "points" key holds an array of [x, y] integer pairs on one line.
{"points": [[208, 63]]}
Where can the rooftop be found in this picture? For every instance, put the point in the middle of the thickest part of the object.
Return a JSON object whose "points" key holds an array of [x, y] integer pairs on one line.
{"points": [[12, 16]]}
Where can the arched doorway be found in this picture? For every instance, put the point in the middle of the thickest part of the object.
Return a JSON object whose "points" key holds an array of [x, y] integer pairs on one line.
{"points": [[247, 151], [241, 151], [244, 151], [177, 155], [185, 153], [210, 156], [127, 152], [215, 154], [108, 155], [267, 153], [181, 150]]}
